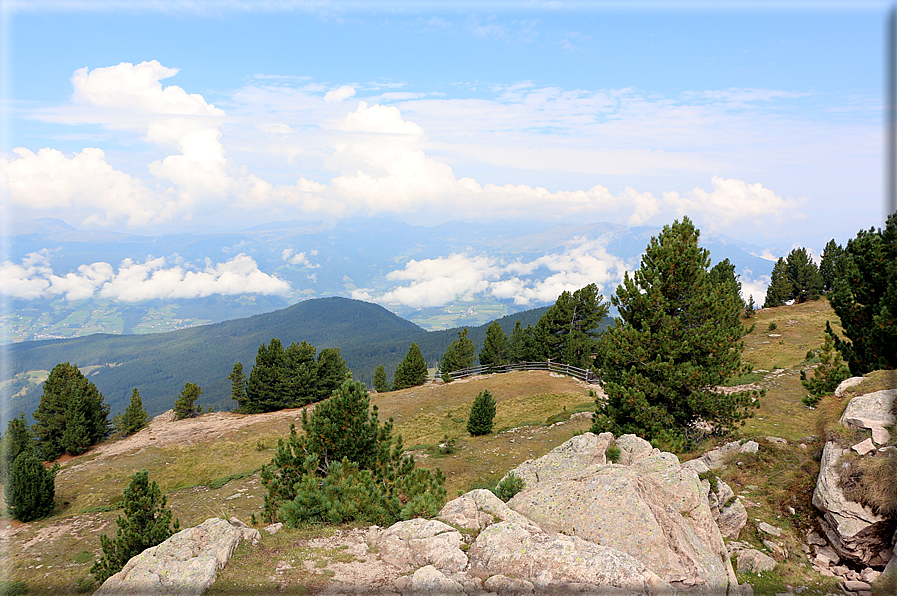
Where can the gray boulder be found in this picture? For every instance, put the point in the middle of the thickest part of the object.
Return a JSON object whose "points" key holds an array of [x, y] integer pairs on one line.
{"points": [[847, 384], [429, 581], [633, 448], [754, 561], [872, 411], [477, 509], [854, 531], [419, 542], [186, 564], [728, 510], [585, 451]]}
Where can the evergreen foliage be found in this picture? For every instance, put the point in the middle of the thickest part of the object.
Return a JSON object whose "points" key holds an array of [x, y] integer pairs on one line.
{"points": [[15, 441], [522, 344], [347, 466], [482, 414], [287, 378], [460, 354], [508, 487], [185, 406], [381, 383], [568, 332], [412, 371], [805, 279], [76, 437], [146, 522], [828, 374], [677, 338], [780, 286], [30, 488], [724, 273], [496, 347], [51, 422], [864, 296], [135, 416], [828, 264]]}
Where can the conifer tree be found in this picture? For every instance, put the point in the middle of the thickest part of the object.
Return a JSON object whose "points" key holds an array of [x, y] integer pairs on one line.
{"points": [[76, 437], [50, 416], [332, 372], [568, 332], [496, 347], [15, 441], [460, 354], [381, 382], [185, 406], [806, 282], [135, 416], [780, 286], [677, 339], [238, 386], [482, 414], [30, 488], [412, 371], [146, 522], [264, 390], [828, 374], [521, 344], [828, 264]]}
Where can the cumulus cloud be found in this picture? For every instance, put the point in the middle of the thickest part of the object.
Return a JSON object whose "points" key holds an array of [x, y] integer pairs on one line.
{"points": [[338, 95], [135, 282], [439, 281], [294, 258]]}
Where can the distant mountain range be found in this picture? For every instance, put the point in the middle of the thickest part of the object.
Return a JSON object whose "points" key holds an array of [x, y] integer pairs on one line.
{"points": [[158, 365]]}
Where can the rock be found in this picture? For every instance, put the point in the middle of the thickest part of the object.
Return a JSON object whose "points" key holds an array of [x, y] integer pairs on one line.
{"points": [[728, 511], [864, 447], [579, 453], [186, 564], [869, 575], [853, 530], [420, 542], [750, 447], [697, 465], [881, 436], [633, 448], [716, 458], [847, 384], [776, 549], [274, 528], [656, 511], [777, 440], [872, 411], [508, 586], [559, 564], [768, 529], [478, 509], [814, 538], [853, 585], [430, 581], [752, 560]]}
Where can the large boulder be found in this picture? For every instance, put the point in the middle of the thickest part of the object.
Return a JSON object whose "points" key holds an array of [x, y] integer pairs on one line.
{"points": [[873, 411], [479, 509], [728, 510], [655, 511], [854, 531], [419, 542], [186, 564], [582, 452]]}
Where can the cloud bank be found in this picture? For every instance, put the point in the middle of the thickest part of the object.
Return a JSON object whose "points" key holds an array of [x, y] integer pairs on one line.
{"points": [[135, 282]]}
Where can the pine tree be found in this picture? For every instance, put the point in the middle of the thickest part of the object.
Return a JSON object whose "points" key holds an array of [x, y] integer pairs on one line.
{"points": [[828, 374], [459, 355], [806, 282], [677, 338], [482, 414], [827, 266], [238, 386], [496, 347], [15, 441], [50, 415], [146, 522], [30, 488], [332, 372], [521, 344], [76, 437], [864, 296], [298, 376], [568, 332], [264, 390], [185, 406], [412, 371], [780, 286], [381, 383], [135, 416]]}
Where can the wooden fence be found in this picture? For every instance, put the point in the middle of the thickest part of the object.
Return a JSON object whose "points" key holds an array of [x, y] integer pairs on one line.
{"points": [[583, 374]]}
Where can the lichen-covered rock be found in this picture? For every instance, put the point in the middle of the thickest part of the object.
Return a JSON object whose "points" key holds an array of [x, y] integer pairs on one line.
{"points": [[846, 384], [751, 560], [582, 452], [429, 581], [728, 510], [186, 564], [560, 564], [854, 531], [420, 542], [478, 509], [509, 586], [633, 448]]}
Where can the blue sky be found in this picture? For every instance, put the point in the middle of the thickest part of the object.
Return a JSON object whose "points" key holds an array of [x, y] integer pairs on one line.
{"points": [[760, 123]]}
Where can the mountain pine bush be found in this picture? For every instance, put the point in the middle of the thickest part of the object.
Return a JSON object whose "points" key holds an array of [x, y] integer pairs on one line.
{"points": [[30, 488], [185, 406], [482, 414], [828, 374]]}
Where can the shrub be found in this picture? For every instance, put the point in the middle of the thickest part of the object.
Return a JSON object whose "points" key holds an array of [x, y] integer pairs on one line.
{"points": [[828, 374], [482, 414], [509, 486], [185, 406], [612, 453], [146, 523], [135, 416], [30, 489], [15, 441], [448, 445], [347, 466], [381, 382], [412, 370], [772, 327]]}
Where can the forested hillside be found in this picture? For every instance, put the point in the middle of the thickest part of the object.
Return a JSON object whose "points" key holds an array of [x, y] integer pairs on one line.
{"points": [[158, 365]]}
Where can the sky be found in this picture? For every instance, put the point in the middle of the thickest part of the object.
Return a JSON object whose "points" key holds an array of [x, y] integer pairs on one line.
{"points": [[761, 121]]}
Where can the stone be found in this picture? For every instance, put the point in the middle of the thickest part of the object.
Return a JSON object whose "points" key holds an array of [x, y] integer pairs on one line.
{"points": [[777, 440], [846, 384], [815, 538], [508, 586], [582, 452], [829, 553], [732, 520], [716, 458], [776, 549], [430, 581], [880, 435], [853, 530], [750, 447], [274, 528], [633, 448], [869, 575], [478, 509], [864, 447], [186, 564], [697, 465], [753, 561], [853, 585], [420, 542], [870, 410], [768, 529]]}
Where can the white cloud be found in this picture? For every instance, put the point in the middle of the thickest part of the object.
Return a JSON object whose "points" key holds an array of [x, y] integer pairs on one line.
{"points": [[135, 282], [436, 282], [293, 258], [378, 119], [338, 95]]}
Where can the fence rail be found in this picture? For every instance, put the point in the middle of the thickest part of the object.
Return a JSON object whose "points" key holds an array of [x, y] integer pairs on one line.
{"points": [[583, 374]]}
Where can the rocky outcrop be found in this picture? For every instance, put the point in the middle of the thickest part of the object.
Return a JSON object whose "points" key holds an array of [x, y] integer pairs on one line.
{"points": [[185, 564], [580, 525], [873, 411], [728, 510]]}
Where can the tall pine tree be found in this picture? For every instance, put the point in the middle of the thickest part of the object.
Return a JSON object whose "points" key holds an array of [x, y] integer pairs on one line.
{"points": [[568, 332], [828, 264], [780, 286], [496, 347], [412, 371], [381, 382], [460, 354], [135, 417]]}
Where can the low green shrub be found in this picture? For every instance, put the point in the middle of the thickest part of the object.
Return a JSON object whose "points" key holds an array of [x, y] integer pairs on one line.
{"points": [[509, 486], [612, 453]]}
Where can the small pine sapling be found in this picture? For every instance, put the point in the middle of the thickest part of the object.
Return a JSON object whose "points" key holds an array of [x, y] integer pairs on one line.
{"points": [[828, 374], [185, 406], [482, 414]]}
